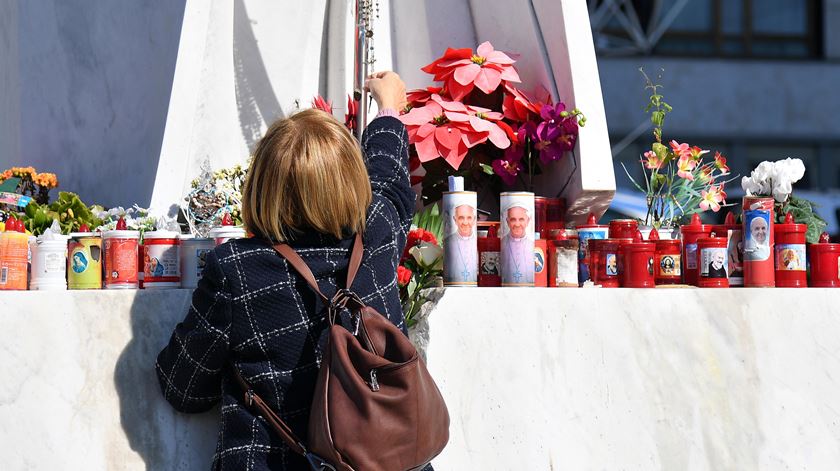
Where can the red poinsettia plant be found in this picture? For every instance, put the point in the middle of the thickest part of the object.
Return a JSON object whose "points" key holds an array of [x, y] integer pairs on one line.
{"points": [[320, 103], [477, 123]]}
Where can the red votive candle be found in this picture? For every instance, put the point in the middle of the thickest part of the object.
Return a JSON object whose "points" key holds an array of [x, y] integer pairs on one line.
{"points": [[638, 263], [734, 250], [622, 270], [789, 251], [604, 260], [623, 228], [666, 260], [711, 258], [586, 232], [759, 269], [489, 264], [825, 263], [541, 214], [690, 234], [555, 214], [563, 262]]}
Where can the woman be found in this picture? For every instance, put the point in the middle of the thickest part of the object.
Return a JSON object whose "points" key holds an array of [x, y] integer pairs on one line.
{"points": [[309, 186]]}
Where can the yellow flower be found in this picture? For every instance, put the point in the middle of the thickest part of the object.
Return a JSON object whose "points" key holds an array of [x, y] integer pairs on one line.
{"points": [[46, 180]]}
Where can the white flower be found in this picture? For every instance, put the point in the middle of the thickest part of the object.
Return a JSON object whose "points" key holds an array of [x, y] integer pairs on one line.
{"points": [[785, 174], [749, 185], [428, 255]]}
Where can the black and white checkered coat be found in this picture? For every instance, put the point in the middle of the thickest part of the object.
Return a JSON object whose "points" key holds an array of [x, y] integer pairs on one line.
{"points": [[251, 308]]}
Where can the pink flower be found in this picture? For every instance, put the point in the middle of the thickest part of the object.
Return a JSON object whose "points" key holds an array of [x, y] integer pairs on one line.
{"points": [[705, 174], [485, 120], [712, 198], [680, 150], [461, 70], [720, 163], [442, 129], [685, 166], [420, 96], [652, 161], [696, 153]]}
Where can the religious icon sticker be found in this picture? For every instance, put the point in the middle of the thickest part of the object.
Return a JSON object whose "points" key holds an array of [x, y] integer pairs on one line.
{"points": [[460, 244], [517, 234], [611, 264], [713, 262], [757, 238], [669, 265], [790, 257]]}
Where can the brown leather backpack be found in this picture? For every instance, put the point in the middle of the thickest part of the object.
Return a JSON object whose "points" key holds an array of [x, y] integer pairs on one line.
{"points": [[376, 407]]}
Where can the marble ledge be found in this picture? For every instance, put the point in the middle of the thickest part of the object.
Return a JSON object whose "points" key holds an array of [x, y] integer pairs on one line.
{"points": [[534, 379]]}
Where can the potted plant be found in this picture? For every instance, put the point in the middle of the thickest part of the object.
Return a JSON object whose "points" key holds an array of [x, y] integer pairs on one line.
{"points": [[679, 180]]}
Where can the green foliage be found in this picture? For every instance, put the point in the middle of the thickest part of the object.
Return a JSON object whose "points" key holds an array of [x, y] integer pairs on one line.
{"points": [[657, 107], [803, 212], [9, 185], [423, 276], [68, 210], [429, 219]]}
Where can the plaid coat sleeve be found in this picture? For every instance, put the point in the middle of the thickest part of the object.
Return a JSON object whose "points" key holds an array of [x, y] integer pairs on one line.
{"points": [[190, 368], [385, 146]]}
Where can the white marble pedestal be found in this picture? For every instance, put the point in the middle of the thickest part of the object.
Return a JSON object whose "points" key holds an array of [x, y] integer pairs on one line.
{"points": [[535, 379]]}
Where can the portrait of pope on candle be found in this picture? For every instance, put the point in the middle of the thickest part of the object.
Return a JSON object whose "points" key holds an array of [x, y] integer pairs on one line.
{"points": [[757, 239], [461, 246], [517, 247]]}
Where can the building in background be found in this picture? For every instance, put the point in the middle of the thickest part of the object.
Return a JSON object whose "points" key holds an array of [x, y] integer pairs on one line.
{"points": [[755, 79]]}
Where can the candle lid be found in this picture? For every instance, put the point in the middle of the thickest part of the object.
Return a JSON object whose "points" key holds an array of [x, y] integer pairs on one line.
{"points": [[592, 223], [789, 225]]}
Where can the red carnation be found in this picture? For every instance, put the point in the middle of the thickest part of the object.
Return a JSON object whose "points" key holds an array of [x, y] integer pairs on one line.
{"points": [[403, 276]]}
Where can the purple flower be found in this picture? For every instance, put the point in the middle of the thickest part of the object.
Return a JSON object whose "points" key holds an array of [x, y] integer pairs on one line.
{"points": [[556, 134], [507, 170]]}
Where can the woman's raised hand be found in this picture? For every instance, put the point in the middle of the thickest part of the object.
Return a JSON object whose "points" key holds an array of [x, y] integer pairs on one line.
{"points": [[388, 89]]}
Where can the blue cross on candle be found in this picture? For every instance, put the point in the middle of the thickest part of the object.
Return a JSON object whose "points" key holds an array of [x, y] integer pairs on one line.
{"points": [[466, 274], [517, 276]]}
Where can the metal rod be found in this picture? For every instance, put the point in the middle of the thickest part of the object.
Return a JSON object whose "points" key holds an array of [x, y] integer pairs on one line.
{"points": [[360, 65]]}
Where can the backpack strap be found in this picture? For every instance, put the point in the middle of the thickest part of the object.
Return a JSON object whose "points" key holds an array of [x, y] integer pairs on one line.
{"points": [[342, 297], [253, 400]]}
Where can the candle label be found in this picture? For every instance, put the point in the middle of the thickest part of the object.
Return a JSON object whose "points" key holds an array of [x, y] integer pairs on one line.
{"points": [[691, 256], [489, 263], [539, 260], [161, 262], [669, 265], [84, 264], [121, 261], [517, 238], [713, 262], [790, 257], [460, 244], [611, 264], [566, 266], [735, 257]]}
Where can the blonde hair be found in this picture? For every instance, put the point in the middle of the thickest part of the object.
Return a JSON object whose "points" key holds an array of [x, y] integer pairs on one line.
{"points": [[307, 174]]}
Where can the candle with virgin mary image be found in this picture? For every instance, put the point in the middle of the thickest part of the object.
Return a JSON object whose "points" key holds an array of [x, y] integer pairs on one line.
{"points": [[517, 248], [460, 243]]}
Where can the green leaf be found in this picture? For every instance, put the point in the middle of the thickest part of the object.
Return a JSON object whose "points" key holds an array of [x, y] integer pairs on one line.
{"points": [[660, 150], [488, 169]]}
